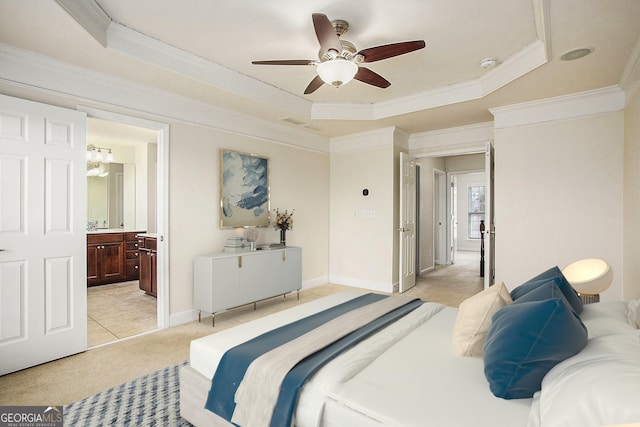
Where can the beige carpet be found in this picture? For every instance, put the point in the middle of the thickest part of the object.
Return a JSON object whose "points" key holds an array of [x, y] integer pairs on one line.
{"points": [[67, 380]]}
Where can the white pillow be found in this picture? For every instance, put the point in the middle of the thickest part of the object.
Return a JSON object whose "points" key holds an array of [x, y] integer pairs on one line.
{"points": [[474, 319], [606, 318], [596, 387], [633, 313]]}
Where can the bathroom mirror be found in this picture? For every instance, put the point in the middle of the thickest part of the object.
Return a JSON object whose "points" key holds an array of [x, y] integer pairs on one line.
{"points": [[110, 196]]}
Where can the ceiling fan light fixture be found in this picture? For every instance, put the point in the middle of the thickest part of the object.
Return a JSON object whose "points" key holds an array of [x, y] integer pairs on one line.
{"points": [[337, 72]]}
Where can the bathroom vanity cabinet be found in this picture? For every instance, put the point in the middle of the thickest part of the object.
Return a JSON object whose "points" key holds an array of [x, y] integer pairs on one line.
{"points": [[112, 256]]}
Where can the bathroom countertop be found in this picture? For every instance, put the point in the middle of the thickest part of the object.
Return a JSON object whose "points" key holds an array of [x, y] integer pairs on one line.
{"points": [[154, 235], [113, 230]]}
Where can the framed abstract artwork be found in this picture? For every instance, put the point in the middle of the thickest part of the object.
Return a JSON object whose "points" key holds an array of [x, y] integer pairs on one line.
{"points": [[244, 190]]}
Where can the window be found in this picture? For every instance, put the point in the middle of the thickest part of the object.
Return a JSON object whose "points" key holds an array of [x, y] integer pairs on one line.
{"points": [[476, 210]]}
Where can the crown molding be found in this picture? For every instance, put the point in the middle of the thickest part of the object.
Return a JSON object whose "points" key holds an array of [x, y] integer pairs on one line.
{"points": [[142, 47], [33, 71], [132, 43], [90, 16], [462, 139], [630, 79], [371, 140], [401, 139], [598, 101], [541, 10], [519, 64]]}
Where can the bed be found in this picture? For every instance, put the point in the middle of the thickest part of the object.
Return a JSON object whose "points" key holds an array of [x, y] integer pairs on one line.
{"points": [[424, 368]]}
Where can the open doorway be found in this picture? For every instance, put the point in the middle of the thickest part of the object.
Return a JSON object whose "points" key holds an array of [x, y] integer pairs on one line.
{"points": [[450, 240], [122, 206]]}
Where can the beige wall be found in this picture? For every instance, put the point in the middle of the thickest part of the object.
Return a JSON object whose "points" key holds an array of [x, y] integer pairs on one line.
{"points": [[465, 163], [362, 248], [631, 275], [298, 180], [558, 196]]}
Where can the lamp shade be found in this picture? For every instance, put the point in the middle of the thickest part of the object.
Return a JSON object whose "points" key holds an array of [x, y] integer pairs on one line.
{"points": [[589, 276], [337, 71]]}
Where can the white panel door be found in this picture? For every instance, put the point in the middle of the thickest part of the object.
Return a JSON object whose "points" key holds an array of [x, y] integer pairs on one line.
{"points": [[43, 290], [407, 222]]}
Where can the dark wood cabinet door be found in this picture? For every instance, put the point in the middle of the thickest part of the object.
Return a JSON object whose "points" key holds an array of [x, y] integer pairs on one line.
{"points": [[154, 276], [113, 260], [148, 264], [145, 270], [93, 267]]}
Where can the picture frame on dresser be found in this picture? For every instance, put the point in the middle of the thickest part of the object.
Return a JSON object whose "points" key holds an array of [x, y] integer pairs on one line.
{"points": [[244, 189]]}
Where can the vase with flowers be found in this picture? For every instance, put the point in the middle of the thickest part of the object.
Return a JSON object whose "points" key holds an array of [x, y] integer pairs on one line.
{"points": [[283, 222]]}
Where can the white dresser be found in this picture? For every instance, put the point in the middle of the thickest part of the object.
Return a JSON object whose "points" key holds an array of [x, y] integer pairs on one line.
{"points": [[223, 281]]}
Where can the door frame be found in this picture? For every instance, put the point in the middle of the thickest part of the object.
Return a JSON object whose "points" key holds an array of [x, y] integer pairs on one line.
{"points": [[445, 198], [162, 202], [490, 230]]}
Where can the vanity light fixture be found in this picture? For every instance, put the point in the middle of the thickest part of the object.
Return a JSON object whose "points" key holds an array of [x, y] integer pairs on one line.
{"points": [[95, 154]]}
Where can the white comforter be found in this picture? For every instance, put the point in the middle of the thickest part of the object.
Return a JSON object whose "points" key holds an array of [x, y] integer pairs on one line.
{"points": [[418, 381], [309, 412]]}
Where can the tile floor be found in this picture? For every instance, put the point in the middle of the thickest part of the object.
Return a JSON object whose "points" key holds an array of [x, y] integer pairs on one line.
{"points": [[117, 311]]}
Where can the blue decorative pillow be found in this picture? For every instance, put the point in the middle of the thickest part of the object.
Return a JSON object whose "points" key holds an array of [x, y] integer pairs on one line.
{"points": [[553, 274], [526, 339], [547, 289]]}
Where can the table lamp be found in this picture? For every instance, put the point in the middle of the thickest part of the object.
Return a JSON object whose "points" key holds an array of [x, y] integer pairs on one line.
{"points": [[589, 277]]}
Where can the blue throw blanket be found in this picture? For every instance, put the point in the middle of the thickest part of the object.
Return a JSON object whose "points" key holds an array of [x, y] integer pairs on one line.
{"points": [[235, 362]]}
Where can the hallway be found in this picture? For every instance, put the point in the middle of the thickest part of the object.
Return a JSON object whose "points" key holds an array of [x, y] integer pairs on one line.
{"points": [[453, 283]]}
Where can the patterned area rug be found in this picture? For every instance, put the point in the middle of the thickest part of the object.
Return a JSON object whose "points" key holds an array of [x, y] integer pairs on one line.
{"points": [[152, 400]]}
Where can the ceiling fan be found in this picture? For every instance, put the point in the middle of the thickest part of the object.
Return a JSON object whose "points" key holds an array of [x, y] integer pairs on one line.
{"points": [[339, 61]]}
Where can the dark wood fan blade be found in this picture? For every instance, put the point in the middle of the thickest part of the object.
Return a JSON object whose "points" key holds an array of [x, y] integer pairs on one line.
{"points": [[365, 75], [314, 85], [378, 53], [284, 62], [326, 34]]}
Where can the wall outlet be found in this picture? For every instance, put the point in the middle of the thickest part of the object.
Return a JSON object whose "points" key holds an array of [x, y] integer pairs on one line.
{"points": [[372, 266]]}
